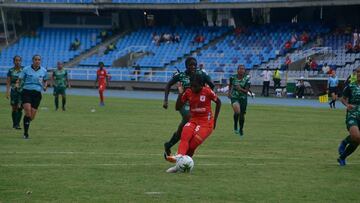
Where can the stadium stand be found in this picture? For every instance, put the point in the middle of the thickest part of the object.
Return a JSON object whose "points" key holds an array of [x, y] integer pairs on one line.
{"points": [[155, 1], [57, 1], [158, 55], [52, 44]]}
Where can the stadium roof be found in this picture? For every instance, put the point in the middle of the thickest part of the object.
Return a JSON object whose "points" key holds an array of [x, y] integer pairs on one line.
{"points": [[107, 4]]}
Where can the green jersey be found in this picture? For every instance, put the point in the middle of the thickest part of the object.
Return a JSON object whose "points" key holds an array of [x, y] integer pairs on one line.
{"points": [[60, 77], [243, 83], [352, 92], [14, 74], [184, 78]]}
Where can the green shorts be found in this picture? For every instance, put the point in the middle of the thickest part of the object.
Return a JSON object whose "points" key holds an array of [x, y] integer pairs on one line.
{"points": [[242, 102], [59, 91], [15, 98], [352, 120]]}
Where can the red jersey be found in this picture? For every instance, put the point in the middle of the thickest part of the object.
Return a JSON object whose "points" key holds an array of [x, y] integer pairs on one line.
{"points": [[102, 75], [200, 103]]}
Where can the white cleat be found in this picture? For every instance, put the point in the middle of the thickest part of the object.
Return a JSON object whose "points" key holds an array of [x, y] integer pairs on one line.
{"points": [[171, 170]]}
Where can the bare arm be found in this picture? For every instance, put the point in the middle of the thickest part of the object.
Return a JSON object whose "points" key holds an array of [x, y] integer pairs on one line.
{"points": [[167, 90], [179, 103], [45, 85], [345, 101], [217, 110]]}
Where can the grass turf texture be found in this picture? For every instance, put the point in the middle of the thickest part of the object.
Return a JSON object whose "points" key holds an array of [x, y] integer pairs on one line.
{"points": [[288, 154]]}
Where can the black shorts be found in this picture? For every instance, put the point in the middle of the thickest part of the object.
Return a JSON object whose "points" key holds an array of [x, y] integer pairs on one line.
{"points": [[32, 97], [333, 90]]}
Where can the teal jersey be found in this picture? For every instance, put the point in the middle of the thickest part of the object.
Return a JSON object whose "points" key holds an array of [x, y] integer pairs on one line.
{"points": [[60, 77], [14, 74], [243, 83], [184, 78], [352, 92]]}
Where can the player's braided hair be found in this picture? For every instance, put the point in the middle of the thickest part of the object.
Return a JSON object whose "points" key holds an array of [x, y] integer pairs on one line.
{"points": [[197, 79]]}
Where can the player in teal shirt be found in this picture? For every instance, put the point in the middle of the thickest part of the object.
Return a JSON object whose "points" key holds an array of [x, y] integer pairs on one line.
{"points": [[34, 79], [184, 79], [351, 99], [238, 90], [13, 91], [60, 82]]}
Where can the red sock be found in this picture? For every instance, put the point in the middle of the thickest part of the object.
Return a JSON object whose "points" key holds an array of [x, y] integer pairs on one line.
{"points": [[101, 96]]}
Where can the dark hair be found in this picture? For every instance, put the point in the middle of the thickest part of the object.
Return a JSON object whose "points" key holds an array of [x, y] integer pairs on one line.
{"points": [[188, 60], [101, 63], [241, 65], [197, 79], [36, 56], [16, 56]]}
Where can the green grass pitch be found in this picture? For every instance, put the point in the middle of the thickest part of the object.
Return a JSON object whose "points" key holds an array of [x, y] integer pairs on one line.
{"points": [[288, 154]]}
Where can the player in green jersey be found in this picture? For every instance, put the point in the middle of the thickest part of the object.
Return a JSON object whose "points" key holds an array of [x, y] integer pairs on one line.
{"points": [[184, 79], [60, 82], [351, 99], [238, 90], [13, 91]]}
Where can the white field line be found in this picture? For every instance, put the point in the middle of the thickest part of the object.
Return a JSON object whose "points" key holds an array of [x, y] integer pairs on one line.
{"points": [[160, 155], [157, 164]]}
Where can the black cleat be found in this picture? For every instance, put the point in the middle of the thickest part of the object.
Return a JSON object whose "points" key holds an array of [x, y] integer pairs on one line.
{"points": [[167, 149], [17, 127], [26, 136]]}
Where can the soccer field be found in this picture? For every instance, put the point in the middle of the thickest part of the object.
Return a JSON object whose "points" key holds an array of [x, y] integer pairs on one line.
{"points": [[288, 154]]}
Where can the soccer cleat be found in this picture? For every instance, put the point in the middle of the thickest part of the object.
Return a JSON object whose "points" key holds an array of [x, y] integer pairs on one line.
{"points": [[102, 104], [236, 132], [241, 132], [171, 170], [342, 147], [167, 149], [341, 162], [63, 108], [170, 158], [26, 136], [17, 127]]}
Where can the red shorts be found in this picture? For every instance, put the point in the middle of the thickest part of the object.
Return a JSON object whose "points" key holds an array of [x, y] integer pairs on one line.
{"points": [[193, 134], [102, 87]]}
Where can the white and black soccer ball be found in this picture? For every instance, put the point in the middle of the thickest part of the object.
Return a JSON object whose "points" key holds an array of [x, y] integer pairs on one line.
{"points": [[184, 164]]}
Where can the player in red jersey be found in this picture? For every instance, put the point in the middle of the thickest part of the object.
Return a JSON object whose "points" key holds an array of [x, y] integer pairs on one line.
{"points": [[202, 121], [102, 78]]}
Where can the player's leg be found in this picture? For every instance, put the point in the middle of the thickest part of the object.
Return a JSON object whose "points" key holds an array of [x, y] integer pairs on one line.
{"points": [[201, 133], [101, 94], [31, 101], [353, 140], [186, 136], [343, 144], [13, 114], [185, 114], [236, 108], [63, 98], [56, 98], [243, 106]]}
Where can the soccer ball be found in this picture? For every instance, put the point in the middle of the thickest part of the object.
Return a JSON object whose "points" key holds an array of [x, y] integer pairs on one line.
{"points": [[184, 164]]}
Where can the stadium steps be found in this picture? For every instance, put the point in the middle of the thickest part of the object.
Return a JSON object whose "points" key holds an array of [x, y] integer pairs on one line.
{"points": [[206, 46], [75, 61]]}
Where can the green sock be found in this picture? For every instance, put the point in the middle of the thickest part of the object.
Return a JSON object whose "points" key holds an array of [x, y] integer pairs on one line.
{"points": [[63, 102], [13, 116], [241, 121], [56, 102], [347, 140], [18, 116]]}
